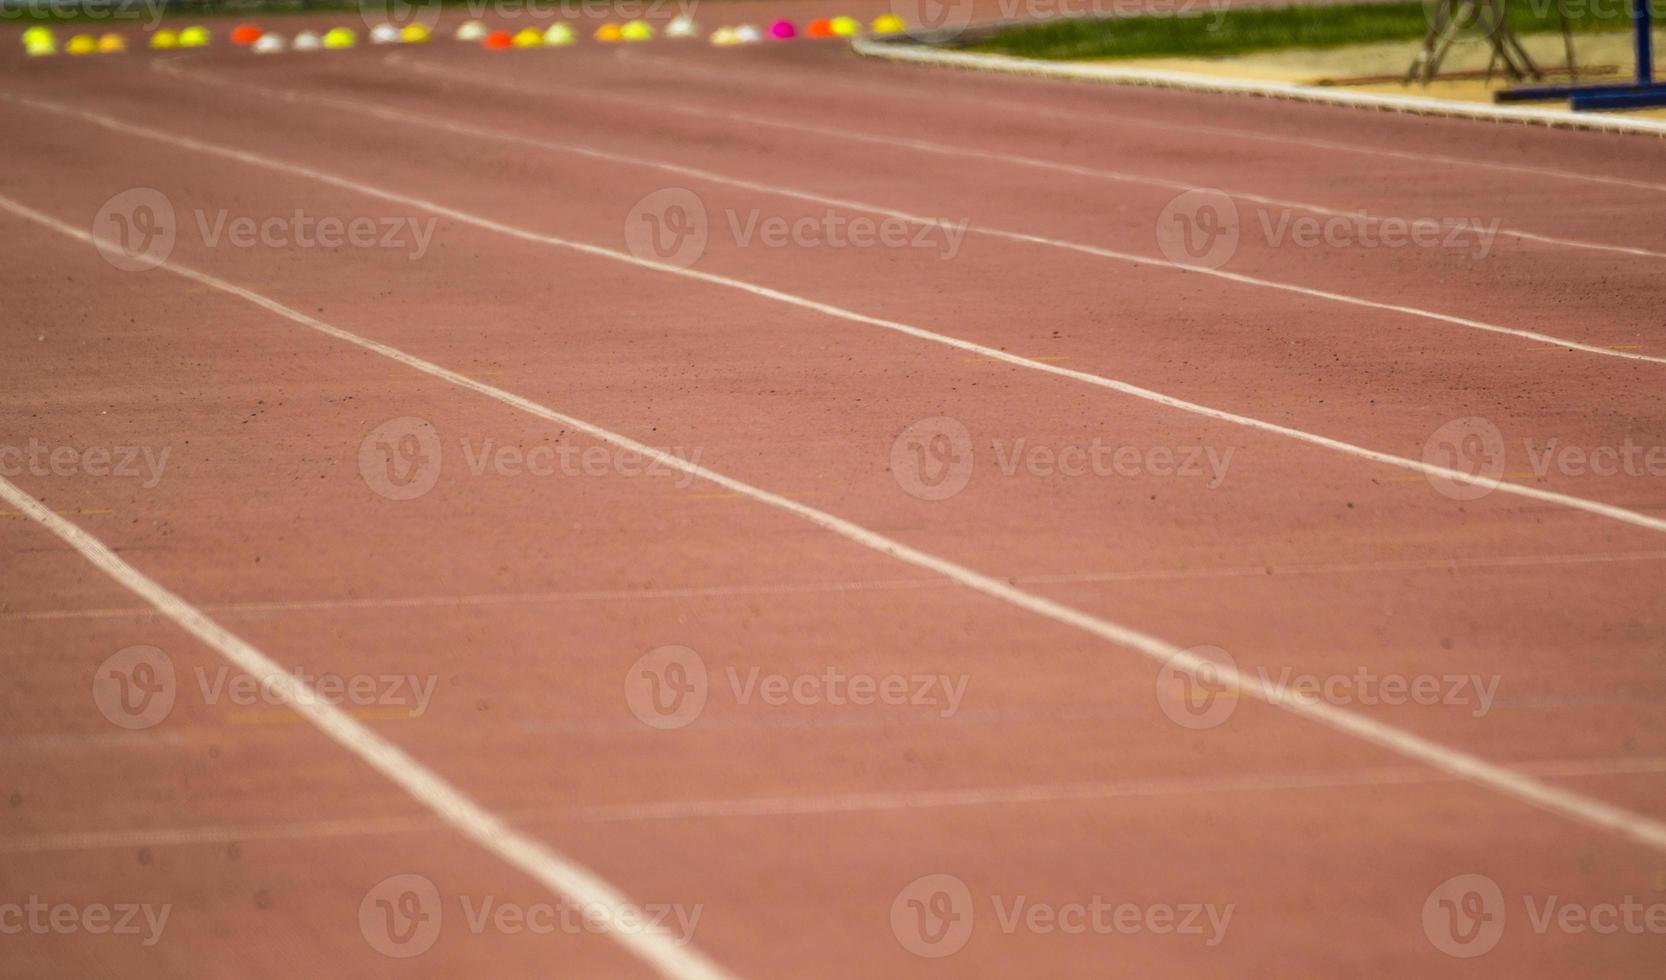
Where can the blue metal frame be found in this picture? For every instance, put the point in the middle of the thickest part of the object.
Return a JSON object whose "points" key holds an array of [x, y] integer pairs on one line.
{"points": [[1642, 93]]}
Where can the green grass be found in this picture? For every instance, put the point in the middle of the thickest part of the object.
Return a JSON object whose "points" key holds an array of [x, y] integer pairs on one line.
{"points": [[1228, 32]]}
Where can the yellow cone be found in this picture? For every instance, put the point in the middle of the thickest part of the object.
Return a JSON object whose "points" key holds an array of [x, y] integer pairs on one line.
{"points": [[37, 34], [846, 27], [528, 37], [637, 30], [414, 34], [164, 40], [111, 44], [194, 37], [340, 37], [558, 35], [608, 33], [81, 44], [888, 24], [40, 47]]}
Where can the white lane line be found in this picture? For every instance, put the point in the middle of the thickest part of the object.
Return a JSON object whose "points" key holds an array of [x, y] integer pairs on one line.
{"points": [[655, 947], [1574, 806], [1609, 511], [945, 149], [252, 609], [984, 102], [828, 804]]}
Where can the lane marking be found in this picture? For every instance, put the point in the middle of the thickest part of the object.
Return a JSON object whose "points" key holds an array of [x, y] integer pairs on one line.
{"points": [[575, 881], [745, 590], [795, 494], [827, 804], [946, 149], [656, 947], [1609, 511], [983, 102], [449, 804]]}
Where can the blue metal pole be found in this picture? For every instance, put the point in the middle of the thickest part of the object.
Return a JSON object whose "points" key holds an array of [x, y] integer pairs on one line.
{"points": [[1640, 21]]}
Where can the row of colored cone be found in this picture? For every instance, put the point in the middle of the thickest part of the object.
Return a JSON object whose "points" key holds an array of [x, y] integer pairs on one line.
{"points": [[560, 35], [264, 42], [40, 40]]}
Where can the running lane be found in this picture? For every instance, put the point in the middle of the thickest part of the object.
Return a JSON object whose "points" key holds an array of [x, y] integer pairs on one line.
{"points": [[534, 595]]}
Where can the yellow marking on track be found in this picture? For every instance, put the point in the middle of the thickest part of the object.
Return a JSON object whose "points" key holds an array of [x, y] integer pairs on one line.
{"points": [[1604, 347]]}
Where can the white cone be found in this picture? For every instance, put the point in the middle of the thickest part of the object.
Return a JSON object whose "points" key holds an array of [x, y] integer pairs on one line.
{"points": [[472, 30], [747, 34], [681, 25], [306, 41], [384, 34], [269, 44]]}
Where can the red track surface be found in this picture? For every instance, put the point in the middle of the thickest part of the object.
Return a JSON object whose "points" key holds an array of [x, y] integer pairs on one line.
{"points": [[795, 829]]}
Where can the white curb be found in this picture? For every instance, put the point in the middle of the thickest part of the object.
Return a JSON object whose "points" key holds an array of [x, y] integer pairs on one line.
{"points": [[1415, 105]]}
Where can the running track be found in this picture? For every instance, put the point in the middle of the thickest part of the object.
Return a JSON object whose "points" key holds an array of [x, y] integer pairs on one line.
{"points": [[791, 544]]}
